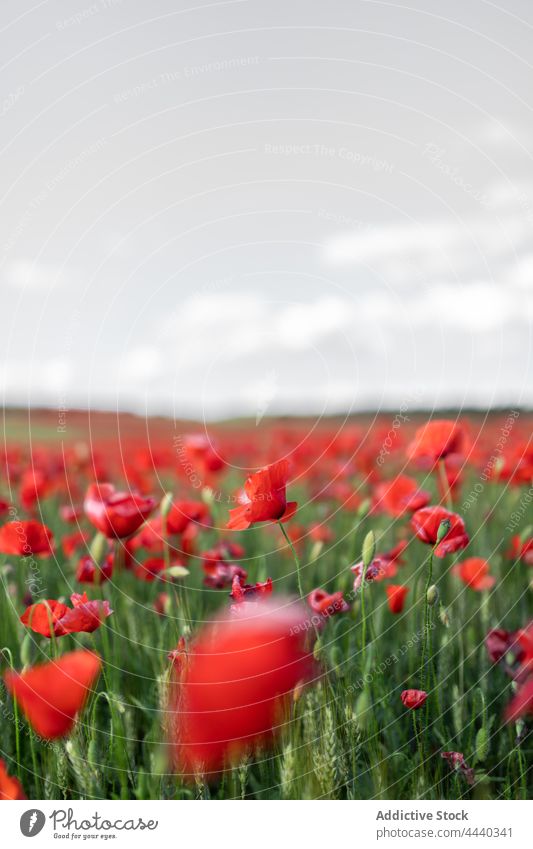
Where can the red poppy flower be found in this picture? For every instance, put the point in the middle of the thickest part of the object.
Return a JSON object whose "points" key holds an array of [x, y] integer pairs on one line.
{"points": [[202, 451], [458, 763], [150, 569], [88, 572], [264, 498], [10, 787], [71, 542], [34, 486], [183, 513], [400, 496], [500, 643], [25, 538], [50, 695], [380, 569], [70, 514], [396, 594], [4, 506], [321, 533], [522, 703], [426, 523], [519, 550], [245, 592], [162, 604], [327, 604], [116, 514], [239, 676], [474, 572], [219, 573], [84, 616], [437, 439], [413, 699]]}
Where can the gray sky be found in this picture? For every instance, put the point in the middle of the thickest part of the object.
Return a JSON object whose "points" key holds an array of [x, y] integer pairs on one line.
{"points": [[254, 207]]}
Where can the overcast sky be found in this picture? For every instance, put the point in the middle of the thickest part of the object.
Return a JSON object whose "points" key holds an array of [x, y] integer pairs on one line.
{"points": [[264, 206]]}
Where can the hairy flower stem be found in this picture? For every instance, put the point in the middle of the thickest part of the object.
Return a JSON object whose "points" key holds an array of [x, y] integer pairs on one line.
{"points": [[296, 560], [363, 621], [427, 664]]}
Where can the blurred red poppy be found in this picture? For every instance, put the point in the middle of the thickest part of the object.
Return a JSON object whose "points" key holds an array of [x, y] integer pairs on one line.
{"points": [[522, 703], [150, 569], [183, 513], [474, 572], [400, 496], [88, 572], [426, 524], [245, 592], [84, 616], [25, 538], [71, 542], [264, 498], [50, 695], [437, 439], [458, 763], [500, 643], [219, 573], [327, 604], [396, 594], [70, 514], [239, 677], [10, 787], [413, 699], [519, 550], [116, 514]]}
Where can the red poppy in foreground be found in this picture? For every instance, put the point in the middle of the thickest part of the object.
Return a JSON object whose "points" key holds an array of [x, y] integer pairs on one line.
{"points": [[474, 573], [50, 695], [327, 604], [400, 496], [10, 787], [437, 439], [239, 677], [264, 498], [396, 594], [426, 524], [413, 699], [25, 538], [85, 616], [116, 514]]}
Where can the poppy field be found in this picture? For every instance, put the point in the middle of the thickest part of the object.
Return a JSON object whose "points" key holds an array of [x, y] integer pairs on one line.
{"points": [[290, 610]]}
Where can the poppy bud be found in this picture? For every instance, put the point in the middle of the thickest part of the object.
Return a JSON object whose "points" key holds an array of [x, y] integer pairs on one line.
{"points": [[444, 528], [166, 504], [363, 509], [208, 496], [482, 744], [98, 548], [362, 708], [432, 595], [443, 616], [369, 549]]}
